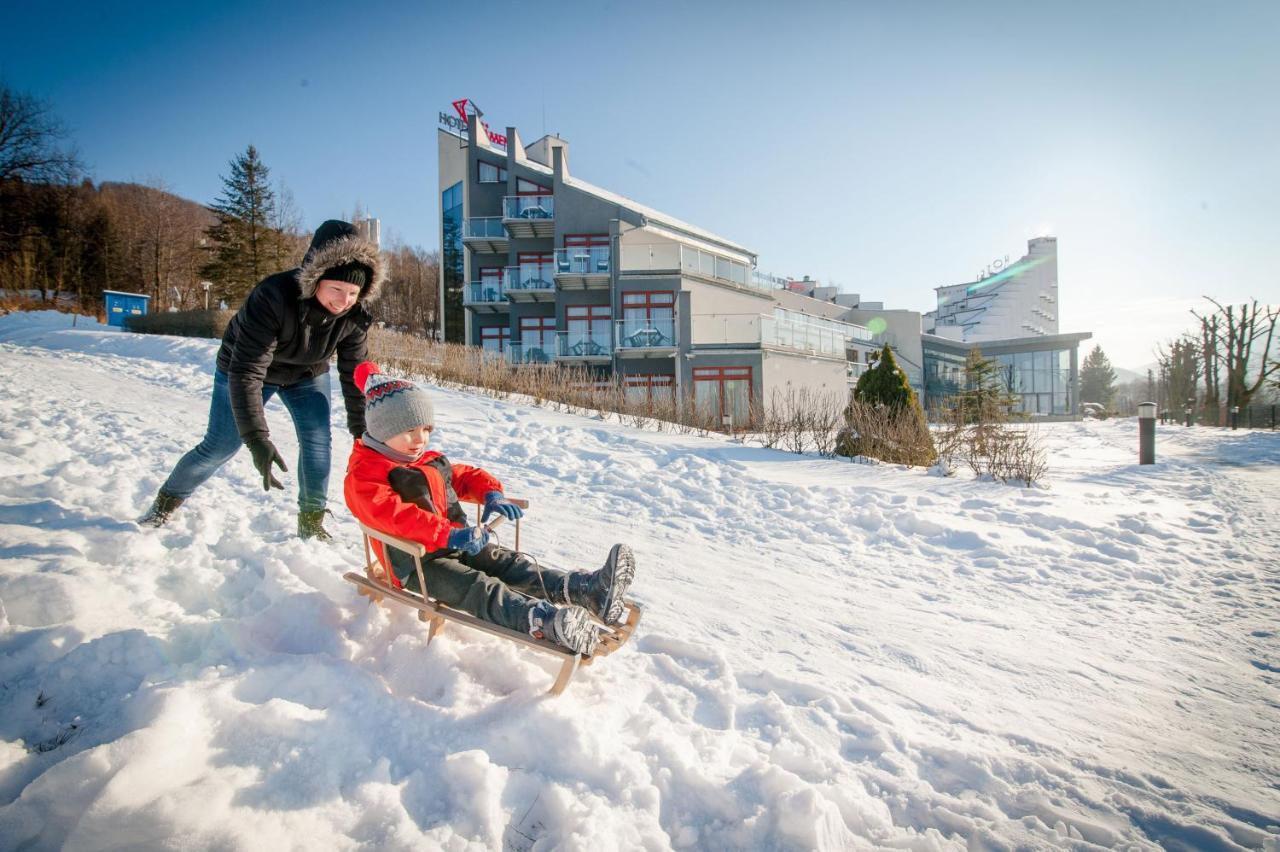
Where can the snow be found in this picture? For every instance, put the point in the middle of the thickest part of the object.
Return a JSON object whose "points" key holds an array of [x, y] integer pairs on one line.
{"points": [[834, 655]]}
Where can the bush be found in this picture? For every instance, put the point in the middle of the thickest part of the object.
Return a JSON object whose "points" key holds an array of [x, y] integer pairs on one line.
{"points": [[181, 323], [895, 435]]}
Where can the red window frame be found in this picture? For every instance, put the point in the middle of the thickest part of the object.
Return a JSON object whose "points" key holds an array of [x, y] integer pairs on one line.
{"points": [[585, 240], [538, 257], [649, 381], [723, 374], [501, 333], [586, 312]]}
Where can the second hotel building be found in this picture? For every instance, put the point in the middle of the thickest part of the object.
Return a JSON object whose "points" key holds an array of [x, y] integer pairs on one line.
{"points": [[542, 267]]}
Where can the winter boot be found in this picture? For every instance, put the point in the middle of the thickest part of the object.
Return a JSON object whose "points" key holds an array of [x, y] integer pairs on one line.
{"points": [[602, 591], [568, 626], [311, 525], [161, 508]]}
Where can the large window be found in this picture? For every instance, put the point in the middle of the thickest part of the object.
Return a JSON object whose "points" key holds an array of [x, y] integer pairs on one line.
{"points": [[1041, 381], [453, 271], [723, 392], [495, 338], [648, 318], [528, 187], [536, 270], [649, 389], [588, 330], [490, 173], [537, 338]]}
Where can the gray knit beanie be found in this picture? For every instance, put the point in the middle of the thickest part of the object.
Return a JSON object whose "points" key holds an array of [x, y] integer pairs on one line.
{"points": [[391, 405]]}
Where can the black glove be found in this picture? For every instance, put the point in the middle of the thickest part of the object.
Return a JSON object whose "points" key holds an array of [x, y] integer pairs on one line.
{"points": [[264, 453]]}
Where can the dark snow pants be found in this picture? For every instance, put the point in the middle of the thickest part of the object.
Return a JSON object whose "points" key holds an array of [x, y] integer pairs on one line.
{"points": [[497, 585]]}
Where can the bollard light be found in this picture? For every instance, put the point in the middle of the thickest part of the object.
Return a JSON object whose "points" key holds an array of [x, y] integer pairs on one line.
{"points": [[1235, 415], [1147, 433]]}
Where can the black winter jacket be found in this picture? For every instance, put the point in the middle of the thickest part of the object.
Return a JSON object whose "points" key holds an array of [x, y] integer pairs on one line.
{"points": [[282, 335]]}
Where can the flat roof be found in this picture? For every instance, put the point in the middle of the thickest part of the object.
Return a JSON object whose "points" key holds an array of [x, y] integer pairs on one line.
{"points": [[1048, 341]]}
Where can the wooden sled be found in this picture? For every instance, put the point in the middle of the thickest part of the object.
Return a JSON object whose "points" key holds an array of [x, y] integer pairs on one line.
{"points": [[375, 585]]}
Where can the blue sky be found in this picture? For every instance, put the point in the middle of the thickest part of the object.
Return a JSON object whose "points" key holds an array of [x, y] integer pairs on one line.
{"points": [[889, 148]]}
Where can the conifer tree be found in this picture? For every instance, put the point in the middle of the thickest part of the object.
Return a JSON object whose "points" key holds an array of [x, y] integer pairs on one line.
{"points": [[1097, 379], [986, 397], [242, 241], [885, 383]]}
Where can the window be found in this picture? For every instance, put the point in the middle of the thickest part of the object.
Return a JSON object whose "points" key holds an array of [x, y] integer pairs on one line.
{"points": [[648, 318], [535, 270], [649, 389], [588, 330], [723, 392], [490, 283], [537, 338], [490, 173], [494, 338], [528, 187], [452, 263]]}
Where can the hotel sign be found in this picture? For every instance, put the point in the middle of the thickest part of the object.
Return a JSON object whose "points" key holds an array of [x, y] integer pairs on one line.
{"points": [[458, 123]]}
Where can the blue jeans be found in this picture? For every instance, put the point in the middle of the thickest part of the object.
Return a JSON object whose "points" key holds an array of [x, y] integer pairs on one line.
{"points": [[308, 405]]}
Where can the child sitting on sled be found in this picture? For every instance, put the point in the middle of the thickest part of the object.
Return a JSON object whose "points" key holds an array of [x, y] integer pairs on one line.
{"points": [[396, 485]]}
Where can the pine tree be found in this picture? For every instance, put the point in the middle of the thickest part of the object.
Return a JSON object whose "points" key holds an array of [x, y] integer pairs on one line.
{"points": [[243, 242], [885, 383], [1097, 379], [986, 397]]}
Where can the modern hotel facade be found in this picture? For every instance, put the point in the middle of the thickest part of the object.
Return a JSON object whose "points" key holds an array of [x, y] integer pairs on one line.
{"points": [[541, 267]]}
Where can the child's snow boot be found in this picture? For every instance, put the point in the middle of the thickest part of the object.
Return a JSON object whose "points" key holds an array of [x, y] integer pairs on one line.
{"points": [[568, 626], [603, 591], [161, 508]]}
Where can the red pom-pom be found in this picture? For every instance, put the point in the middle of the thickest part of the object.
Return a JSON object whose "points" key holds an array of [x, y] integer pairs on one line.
{"points": [[364, 370]]}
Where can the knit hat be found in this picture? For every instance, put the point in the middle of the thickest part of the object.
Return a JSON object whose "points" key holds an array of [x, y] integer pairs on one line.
{"points": [[349, 273], [391, 405]]}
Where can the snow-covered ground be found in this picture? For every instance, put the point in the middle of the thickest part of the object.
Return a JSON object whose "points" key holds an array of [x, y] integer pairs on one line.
{"points": [[834, 655]]}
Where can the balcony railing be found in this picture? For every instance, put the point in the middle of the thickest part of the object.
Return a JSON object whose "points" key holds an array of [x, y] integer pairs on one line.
{"points": [[785, 329], [483, 227], [692, 261], [585, 343], [529, 207], [531, 350], [592, 260], [725, 329], [485, 292], [646, 333], [528, 277]]}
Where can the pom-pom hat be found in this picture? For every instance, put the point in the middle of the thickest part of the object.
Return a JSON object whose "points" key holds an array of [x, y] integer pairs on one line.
{"points": [[391, 405]]}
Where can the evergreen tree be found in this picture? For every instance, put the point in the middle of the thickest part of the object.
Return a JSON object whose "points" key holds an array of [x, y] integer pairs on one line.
{"points": [[885, 383], [243, 243], [1097, 379], [986, 397]]}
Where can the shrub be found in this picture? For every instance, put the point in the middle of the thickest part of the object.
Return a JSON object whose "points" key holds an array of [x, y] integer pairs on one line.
{"points": [[181, 323]]}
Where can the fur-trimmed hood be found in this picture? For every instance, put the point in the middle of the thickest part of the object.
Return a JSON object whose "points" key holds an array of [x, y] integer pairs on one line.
{"points": [[335, 243]]}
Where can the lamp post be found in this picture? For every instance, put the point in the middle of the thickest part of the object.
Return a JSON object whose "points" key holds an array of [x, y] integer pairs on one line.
{"points": [[1235, 416], [1191, 407], [206, 285], [1147, 433]]}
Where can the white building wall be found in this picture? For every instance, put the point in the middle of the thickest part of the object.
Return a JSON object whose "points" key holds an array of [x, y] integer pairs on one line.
{"points": [[819, 374], [1024, 304]]}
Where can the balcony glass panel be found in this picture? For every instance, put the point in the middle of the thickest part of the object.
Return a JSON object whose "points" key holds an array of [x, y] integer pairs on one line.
{"points": [[587, 260], [646, 332], [529, 207], [585, 340], [529, 276], [484, 227], [480, 292]]}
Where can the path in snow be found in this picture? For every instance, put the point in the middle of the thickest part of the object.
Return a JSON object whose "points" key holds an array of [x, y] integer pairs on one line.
{"points": [[834, 655]]}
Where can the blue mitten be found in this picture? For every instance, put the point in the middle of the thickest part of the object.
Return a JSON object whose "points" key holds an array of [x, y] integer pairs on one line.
{"points": [[495, 502], [470, 540]]}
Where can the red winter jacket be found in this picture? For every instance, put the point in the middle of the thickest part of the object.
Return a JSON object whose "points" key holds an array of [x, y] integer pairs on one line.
{"points": [[371, 498]]}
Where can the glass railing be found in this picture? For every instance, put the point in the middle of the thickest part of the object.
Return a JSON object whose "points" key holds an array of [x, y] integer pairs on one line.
{"points": [[593, 260], [593, 342], [482, 292], [529, 207], [532, 350], [483, 227], [811, 334], [646, 333], [529, 277], [673, 256], [725, 329]]}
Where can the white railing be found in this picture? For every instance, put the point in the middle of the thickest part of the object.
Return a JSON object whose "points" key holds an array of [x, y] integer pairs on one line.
{"points": [[586, 260], [483, 227], [529, 207], [810, 334], [646, 333], [676, 256], [530, 276]]}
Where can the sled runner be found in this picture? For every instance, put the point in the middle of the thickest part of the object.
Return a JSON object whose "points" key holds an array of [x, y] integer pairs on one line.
{"points": [[375, 585]]}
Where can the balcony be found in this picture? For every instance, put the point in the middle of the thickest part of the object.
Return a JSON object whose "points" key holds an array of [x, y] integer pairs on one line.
{"points": [[485, 297], [582, 268], [585, 345], [529, 215], [654, 337], [532, 351], [783, 330], [534, 282], [485, 235], [676, 257]]}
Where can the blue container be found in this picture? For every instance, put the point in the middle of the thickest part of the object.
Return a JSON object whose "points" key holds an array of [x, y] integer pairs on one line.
{"points": [[120, 305]]}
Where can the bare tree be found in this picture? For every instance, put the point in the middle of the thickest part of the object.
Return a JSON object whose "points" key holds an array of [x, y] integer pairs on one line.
{"points": [[1245, 326], [30, 141]]}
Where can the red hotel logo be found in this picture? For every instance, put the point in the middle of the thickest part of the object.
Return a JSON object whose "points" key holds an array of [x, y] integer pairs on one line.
{"points": [[460, 122]]}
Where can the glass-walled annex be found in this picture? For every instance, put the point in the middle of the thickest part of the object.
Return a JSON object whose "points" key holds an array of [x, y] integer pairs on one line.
{"points": [[451, 267], [1043, 381]]}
